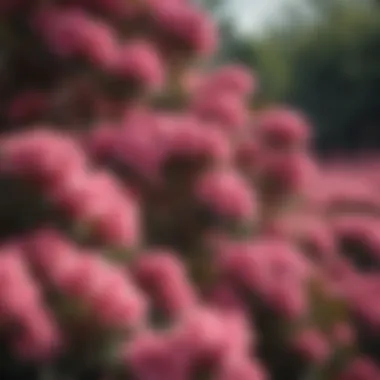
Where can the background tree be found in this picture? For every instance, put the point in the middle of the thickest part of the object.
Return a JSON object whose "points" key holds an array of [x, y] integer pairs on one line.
{"points": [[325, 59]]}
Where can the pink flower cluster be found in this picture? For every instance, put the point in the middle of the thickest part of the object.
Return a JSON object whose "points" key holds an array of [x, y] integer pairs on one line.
{"points": [[158, 227], [86, 277], [29, 326], [56, 165], [227, 193], [272, 269], [200, 342], [163, 277]]}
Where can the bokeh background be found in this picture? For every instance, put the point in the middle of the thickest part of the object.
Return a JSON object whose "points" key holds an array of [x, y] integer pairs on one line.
{"points": [[322, 56]]}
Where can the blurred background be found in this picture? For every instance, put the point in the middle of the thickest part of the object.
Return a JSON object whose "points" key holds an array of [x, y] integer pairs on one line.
{"points": [[320, 55]]}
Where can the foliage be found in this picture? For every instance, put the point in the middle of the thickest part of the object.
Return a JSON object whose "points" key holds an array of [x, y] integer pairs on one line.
{"points": [[325, 60]]}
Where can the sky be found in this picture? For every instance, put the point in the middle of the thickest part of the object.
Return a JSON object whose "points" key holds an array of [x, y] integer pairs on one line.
{"points": [[253, 15]]}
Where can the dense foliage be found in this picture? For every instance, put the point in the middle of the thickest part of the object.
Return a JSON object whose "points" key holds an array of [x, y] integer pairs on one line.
{"points": [[153, 226], [324, 59]]}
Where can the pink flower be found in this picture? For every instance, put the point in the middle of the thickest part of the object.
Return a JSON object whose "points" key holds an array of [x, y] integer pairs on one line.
{"points": [[71, 33], [360, 369], [21, 305], [317, 238], [343, 334], [101, 140], [40, 245], [359, 229], [283, 127], [226, 109], [99, 45], [361, 291], [192, 139], [241, 368], [232, 79], [100, 202], [154, 357], [141, 144], [192, 81], [185, 27], [288, 173], [119, 225], [40, 338], [210, 336], [312, 345], [247, 155], [46, 157], [272, 269], [87, 278], [141, 64], [227, 194], [288, 299], [18, 293], [200, 333], [164, 278], [90, 282], [224, 298]]}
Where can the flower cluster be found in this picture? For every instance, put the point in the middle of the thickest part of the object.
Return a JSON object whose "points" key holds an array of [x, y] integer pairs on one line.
{"points": [[154, 226]]}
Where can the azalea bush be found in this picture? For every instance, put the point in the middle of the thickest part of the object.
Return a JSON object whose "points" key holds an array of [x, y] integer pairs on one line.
{"points": [[155, 227]]}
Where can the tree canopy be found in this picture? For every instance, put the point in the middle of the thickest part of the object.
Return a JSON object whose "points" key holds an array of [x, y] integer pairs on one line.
{"points": [[326, 62]]}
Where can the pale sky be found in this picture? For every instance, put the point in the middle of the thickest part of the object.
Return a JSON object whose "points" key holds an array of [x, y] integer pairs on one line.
{"points": [[252, 15]]}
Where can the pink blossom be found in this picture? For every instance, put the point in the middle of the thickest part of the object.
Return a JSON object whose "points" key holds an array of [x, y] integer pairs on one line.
{"points": [[225, 109], [241, 368], [90, 282], [201, 333], [272, 269], [318, 238], [87, 278], [140, 63], [18, 293], [283, 127], [40, 338], [312, 345], [232, 79], [153, 356], [361, 229], [361, 291], [21, 304], [226, 193], [185, 26], [293, 172], [247, 155], [343, 190], [193, 139], [223, 297], [71, 33], [288, 299], [47, 158], [98, 200], [140, 144], [343, 334], [52, 255], [101, 140], [164, 278], [210, 336], [360, 369]]}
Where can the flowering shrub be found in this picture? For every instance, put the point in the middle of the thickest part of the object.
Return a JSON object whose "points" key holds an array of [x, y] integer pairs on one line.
{"points": [[153, 227]]}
